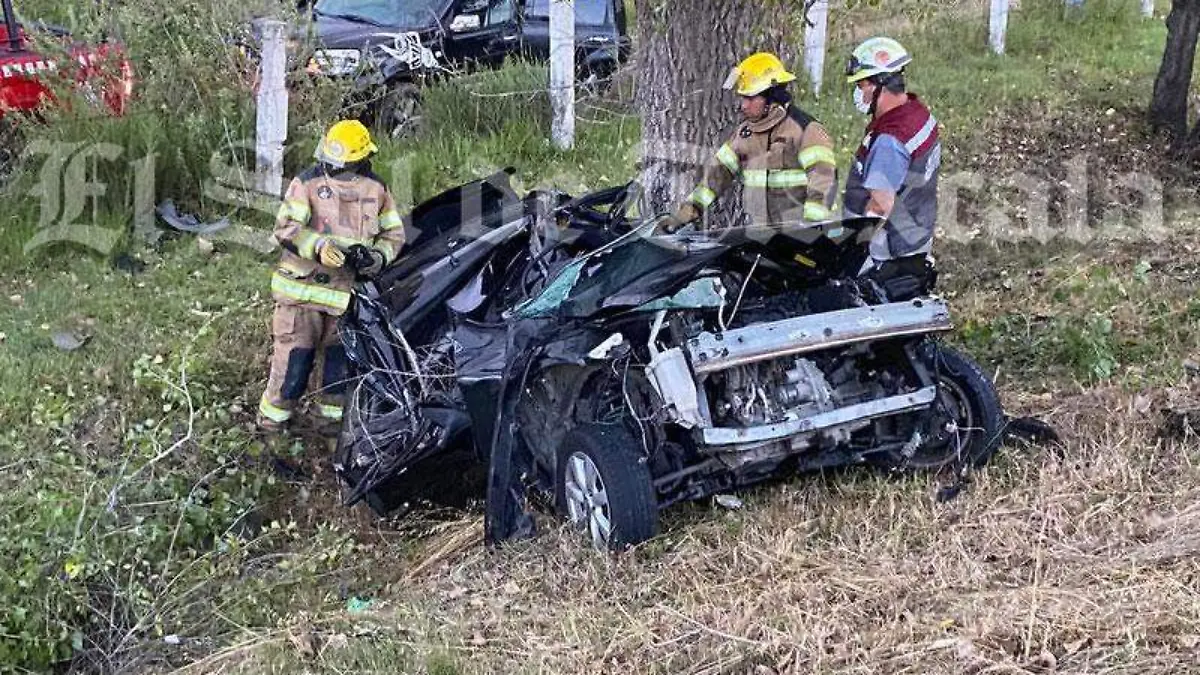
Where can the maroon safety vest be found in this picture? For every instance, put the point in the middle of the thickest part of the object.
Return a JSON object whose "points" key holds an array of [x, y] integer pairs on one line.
{"points": [[912, 222]]}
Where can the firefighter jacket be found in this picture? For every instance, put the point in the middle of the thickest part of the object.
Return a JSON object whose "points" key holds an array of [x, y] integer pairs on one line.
{"points": [[343, 208], [910, 226], [786, 167]]}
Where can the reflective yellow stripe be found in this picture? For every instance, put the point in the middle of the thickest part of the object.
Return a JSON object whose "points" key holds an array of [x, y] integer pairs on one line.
{"points": [[804, 260], [309, 293], [306, 243], [333, 412], [273, 413], [386, 249], [777, 178], [703, 196], [390, 220], [815, 211], [347, 242], [787, 178], [727, 157], [818, 154], [296, 210], [755, 178]]}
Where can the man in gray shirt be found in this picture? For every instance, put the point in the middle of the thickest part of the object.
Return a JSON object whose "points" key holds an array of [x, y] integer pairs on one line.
{"points": [[895, 170]]}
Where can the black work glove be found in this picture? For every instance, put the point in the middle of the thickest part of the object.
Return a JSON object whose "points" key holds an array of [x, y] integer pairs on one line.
{"points": [[365, 261]]}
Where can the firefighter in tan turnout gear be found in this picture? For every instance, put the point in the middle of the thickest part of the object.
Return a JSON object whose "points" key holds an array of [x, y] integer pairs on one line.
{"points": [[781, 155], [338, 220]]}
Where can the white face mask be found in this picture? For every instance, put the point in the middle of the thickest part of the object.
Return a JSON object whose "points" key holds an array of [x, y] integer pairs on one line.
{"points": [[861, 102]]}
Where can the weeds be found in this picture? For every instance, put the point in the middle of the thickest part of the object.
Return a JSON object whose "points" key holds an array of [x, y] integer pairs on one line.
{"points": [[151, 528]]}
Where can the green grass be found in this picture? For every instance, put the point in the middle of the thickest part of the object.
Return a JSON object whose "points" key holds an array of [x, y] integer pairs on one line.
{"points": [[1108, 57], [476, 125], [243, 554]]}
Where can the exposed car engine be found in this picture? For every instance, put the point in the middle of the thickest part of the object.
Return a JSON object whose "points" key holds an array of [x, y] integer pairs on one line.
{"points": [[772, 391]]}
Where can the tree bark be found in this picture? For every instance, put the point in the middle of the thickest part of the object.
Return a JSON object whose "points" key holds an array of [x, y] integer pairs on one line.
{"points": [[687, 50], [1169, 105]]}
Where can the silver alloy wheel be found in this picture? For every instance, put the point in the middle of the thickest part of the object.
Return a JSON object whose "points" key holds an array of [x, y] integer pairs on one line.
{"points": [[587, 499]]}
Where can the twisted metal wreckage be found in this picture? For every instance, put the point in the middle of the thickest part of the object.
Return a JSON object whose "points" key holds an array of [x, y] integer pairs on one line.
{"points": [[618, 372]]}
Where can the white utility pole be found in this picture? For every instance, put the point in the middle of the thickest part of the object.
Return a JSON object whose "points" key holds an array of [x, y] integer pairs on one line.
{"points": [[562, 72], [272, 111], [815, 37], [998, 25]]}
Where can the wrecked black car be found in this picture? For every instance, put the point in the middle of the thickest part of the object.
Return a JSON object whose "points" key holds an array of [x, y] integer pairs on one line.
{"points": [[615, 372]]}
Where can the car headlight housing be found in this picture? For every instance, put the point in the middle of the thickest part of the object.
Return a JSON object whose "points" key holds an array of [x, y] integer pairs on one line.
{"points": [[334, 61], [465, 22]]}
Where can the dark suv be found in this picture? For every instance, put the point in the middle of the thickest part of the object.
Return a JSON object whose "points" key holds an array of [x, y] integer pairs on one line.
{"points": [[389, 48], [601, 35]]}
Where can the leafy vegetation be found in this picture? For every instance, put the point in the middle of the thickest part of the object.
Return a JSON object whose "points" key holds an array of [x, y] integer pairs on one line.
{"points": [[151, 527]]}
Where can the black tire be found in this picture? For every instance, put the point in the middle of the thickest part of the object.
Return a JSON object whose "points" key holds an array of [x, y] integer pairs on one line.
{"points": [[399, 113], [595, 80], [624, 477], [967, 423]]}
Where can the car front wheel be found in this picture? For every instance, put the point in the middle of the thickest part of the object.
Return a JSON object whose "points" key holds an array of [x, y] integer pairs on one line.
{"points": [[399, 114], [604, 487], [965, 422]]}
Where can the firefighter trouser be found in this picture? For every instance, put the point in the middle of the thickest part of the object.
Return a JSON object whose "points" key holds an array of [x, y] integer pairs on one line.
{"points": [[301, 336]]}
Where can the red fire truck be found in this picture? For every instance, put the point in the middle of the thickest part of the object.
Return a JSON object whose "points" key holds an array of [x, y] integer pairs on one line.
{"points": [[100, 73]]}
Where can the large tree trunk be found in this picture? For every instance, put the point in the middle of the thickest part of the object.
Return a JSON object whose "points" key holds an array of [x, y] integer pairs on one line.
{"points": [[1169, 106], [687, 49]]}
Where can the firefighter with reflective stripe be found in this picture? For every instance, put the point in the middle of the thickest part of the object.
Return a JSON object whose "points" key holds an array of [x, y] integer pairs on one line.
{"points": [[780, 154], [338, 220], [895, 171]]}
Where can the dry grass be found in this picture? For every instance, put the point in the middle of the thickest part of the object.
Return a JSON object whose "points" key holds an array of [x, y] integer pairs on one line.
{"points": [[1084, 564], [1080, 560]]}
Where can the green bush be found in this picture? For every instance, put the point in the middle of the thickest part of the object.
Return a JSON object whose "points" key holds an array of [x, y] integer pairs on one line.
{"points": [[107, 538]]}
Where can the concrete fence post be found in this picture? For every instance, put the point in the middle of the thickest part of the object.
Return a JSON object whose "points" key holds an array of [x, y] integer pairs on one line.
{"points": [[998, 25], [815, 38], [272, 106], [562, 72]]}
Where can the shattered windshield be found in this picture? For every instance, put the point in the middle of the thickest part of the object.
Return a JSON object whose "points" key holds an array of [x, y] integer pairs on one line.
{"points": [[391, 13], [587, 12], [630, 271]]}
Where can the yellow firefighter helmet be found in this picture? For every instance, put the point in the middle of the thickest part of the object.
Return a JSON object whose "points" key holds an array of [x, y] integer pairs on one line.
{"points": [[346, 142], [758, 73]]}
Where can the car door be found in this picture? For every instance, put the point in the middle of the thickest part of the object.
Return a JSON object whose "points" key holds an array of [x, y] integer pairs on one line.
{"points": [[483, 31], [600, 28]]}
